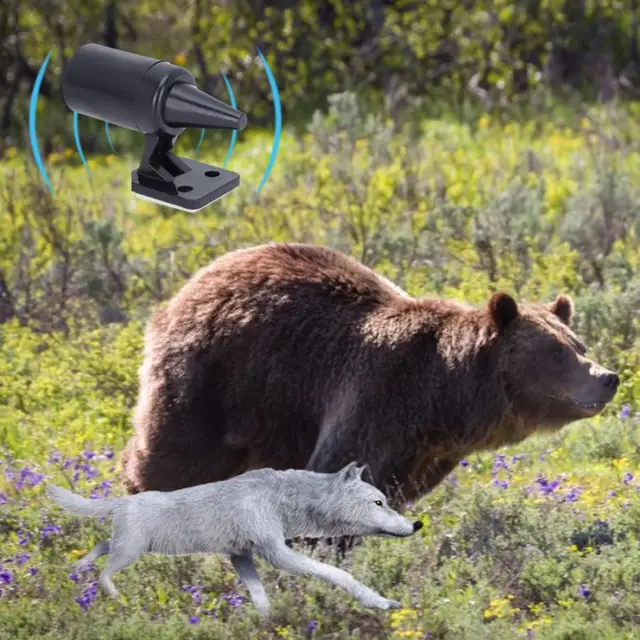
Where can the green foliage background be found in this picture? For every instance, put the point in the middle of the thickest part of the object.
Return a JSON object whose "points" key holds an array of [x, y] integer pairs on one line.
{"points": [[497, 54], [452, 169]]}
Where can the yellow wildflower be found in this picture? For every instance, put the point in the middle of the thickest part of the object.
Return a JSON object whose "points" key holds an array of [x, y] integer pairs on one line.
{"points": [[179, 59]]}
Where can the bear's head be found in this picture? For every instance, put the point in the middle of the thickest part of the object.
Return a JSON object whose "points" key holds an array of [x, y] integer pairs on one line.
{"points": [[548, 380]]}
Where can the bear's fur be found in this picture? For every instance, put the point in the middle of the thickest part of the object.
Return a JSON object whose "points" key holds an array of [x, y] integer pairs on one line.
{"points": [[297, 356]]}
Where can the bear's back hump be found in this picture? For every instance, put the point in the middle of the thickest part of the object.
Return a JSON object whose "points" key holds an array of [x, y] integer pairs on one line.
{"points": [[296, 269]]}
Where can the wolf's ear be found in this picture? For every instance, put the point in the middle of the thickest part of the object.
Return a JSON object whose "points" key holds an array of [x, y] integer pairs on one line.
{"points": [[361, 471], [350, 472]]}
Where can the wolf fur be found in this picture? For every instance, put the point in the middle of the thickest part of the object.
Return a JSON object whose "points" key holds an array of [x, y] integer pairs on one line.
{"points": [[253, 513]]}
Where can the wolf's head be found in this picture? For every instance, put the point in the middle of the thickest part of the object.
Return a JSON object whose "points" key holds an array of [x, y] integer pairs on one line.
{"points": [[356, 508]]}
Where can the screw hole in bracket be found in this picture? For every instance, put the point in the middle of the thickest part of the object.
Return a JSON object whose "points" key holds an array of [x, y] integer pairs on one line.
{"points": [[212, 174], [185, 188]]}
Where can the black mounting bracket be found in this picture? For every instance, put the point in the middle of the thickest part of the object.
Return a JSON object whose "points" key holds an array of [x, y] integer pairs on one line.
{"points": [[178, 182]]}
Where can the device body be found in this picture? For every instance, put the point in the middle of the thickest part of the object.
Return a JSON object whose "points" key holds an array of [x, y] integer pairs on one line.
{"points": [[160, 100]]}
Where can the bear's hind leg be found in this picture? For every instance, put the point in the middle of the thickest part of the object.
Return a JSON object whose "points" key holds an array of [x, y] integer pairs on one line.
{"points": [[168, 467]]}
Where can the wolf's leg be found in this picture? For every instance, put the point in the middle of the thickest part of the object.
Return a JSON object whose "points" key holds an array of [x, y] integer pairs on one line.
{"points": [[101, 549], [246, 570], [281, 557], [123, 553]]}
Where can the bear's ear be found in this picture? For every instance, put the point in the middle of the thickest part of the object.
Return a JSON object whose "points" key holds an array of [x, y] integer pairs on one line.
{"points": [[350, 472], [503, 309], [562, 307]]}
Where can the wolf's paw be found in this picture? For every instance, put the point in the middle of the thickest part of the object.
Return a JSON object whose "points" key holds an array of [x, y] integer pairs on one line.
{"points": [[381, 603]]}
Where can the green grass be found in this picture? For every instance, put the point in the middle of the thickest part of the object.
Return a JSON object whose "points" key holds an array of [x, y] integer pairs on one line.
{"points": [[544, 548]]}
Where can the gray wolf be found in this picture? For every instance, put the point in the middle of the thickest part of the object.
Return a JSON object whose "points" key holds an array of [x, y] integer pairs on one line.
{"points": [[251, 514]]}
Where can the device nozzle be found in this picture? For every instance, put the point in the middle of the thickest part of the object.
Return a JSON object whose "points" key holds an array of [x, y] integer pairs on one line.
{"points": [[187, 106]]}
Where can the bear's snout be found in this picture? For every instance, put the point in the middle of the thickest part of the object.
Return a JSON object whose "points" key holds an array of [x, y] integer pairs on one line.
{"points": [[610, 380], [606, 383], [597, 391]]}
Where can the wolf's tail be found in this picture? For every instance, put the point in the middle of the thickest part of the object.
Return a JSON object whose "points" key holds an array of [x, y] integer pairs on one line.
{"points": [[81, 506]]}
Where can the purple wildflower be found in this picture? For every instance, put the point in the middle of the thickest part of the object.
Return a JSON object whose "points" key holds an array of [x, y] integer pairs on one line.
{"points": [[24, 537], [24, 474], [27, 475], [573, 494], [194, 620], [55, 457], [196, 593], [88, 455], [234, 600], [88, 596], [48, 530], [6, 577], [74, 577], [32, 571], [101, 490], [547, 487], [312, 626], [107, 453], [583, 591], [89, 472], [464, 463], [3, 498], [625, 412], [627, 478], [503, 484], [500, 462], [21, 557]]}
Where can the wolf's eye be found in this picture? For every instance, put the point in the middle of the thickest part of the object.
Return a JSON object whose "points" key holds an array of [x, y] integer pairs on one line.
{"points": [[379, 503]]}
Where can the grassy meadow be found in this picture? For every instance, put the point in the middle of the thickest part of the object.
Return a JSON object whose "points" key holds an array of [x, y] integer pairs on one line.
{"points": [[539, 541]]}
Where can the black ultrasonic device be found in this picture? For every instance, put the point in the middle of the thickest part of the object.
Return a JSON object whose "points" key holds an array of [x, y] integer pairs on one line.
{"points": [[160, 100]]}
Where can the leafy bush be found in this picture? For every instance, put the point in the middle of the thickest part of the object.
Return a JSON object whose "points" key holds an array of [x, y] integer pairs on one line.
{"points": [[479, 55]]}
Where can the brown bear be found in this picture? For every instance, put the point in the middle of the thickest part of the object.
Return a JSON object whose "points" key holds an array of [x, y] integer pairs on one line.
{"points": [[298, 356]]}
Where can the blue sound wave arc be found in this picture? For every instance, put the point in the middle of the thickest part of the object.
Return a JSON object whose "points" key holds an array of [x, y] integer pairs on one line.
{"points": [[277, 108], [76, 136], [234, 133], [108, 132], [33, 136], [201, 139]]}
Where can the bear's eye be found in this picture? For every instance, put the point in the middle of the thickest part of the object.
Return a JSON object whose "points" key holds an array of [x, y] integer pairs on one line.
{"points": [[559, 354], [379, 503]]}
